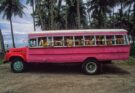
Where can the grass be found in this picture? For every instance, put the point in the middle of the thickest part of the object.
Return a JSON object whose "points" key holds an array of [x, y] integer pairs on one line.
{"points": [[130, 61], [0, 61]]}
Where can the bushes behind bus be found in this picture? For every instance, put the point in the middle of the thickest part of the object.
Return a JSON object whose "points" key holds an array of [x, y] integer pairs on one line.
{"points": [[132, 51]]}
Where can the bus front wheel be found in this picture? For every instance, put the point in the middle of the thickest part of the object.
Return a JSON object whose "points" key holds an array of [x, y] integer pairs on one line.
{"points": [[17, 65], [91, 67]]}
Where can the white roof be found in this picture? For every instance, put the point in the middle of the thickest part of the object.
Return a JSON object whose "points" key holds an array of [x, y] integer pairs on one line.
{"points": [[78, 31]]}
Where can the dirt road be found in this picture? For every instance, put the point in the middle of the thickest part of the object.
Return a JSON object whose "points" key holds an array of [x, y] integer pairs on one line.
{"points": [[115, 78]]}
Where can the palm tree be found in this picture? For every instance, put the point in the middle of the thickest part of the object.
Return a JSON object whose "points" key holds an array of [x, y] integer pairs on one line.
{"points": [[78, 13], [72, 14], [32, 3], [51, 14], [99, 10], [131, 16], [40, 13], [11, 8], [2, 43]]}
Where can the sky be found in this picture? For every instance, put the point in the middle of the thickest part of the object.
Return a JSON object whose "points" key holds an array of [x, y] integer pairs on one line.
{"points": [[21, 27]]}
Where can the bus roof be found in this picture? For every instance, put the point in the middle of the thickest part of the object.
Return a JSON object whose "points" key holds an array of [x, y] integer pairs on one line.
{"points": [[78, 31]]}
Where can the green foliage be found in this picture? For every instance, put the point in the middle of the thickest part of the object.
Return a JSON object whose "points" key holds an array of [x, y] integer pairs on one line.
{"points": [[132, 51], [53, 14], [11, 8], [130, 61]]}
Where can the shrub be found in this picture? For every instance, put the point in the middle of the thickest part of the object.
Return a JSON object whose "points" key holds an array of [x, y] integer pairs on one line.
{"points": [[132, 50]]}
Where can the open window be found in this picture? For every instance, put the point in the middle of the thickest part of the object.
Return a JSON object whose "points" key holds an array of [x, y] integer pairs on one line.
{"points": [[68, 41], [89, 40], [32, 42], [58, 41], [120, 39], [79, 41], [42, 42], [100, 40], [110, 40]]}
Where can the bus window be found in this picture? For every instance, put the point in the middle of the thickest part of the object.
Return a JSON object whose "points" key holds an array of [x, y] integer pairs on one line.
{"points": [[49, 41], [42, 42], [110, 40], [68, 41], [32, 42], [126, 39], [89, 40], [79, 40], [58, 41], [100, 40], [119, 39]]}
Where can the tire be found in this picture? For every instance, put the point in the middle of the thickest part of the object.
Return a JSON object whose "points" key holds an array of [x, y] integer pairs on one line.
{"points": [[91, 67], [17, 65]]}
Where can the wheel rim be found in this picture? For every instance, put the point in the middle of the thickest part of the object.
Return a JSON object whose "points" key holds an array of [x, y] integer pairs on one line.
{"points": [[91, 67], [18, 66]]}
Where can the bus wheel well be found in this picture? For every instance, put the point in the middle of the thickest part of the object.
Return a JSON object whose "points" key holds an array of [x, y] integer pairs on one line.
{"points": [[90, 58], [16, 57]]}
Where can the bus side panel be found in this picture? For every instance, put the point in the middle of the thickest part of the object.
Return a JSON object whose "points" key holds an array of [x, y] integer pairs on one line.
{"points": [[78, 54]]}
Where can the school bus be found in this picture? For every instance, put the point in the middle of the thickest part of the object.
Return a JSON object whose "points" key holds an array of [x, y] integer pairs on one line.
{"points": [[90, 47]]}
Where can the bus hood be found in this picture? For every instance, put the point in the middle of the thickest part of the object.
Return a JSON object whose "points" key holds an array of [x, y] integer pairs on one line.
{"points": [[22, 49]]}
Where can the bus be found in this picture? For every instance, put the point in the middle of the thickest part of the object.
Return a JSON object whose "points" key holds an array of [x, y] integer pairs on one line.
{"points": [[89, 47]]}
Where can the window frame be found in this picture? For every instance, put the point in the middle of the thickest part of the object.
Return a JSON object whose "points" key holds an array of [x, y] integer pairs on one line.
{"points": [[93, 41], [83, 37]]}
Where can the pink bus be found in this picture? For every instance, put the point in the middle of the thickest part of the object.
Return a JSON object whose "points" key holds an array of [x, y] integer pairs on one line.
{"points": [[90, 47]]}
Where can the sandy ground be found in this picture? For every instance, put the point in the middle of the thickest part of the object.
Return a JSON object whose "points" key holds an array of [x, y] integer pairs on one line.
{"points": [[115, 78]]}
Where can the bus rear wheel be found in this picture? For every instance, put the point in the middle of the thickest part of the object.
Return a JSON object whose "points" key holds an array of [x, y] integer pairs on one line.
{"points": [[91, 67], [17, 65]]}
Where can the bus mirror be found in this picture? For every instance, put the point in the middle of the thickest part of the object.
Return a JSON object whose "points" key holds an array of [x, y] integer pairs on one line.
{"points": [[25, 42]]}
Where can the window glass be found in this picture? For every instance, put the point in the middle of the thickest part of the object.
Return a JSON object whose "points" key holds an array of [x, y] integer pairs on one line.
{"points": [[100, 40], [68, 41], [110, 40], [89, 40], [58, 41], [32, 42], [119, 39], [79, 40], [42, 42]]}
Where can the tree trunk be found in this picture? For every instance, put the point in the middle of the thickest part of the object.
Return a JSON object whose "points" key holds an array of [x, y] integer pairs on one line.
{"points": [[59, 6], [113, 18], [121, 12], [134, 23], [66, 22], [89, 21], [78, 14], [12, 33], [33, 15], [134, 12], [52, 17], [129, 11], [2, 42], [40, 15]]}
